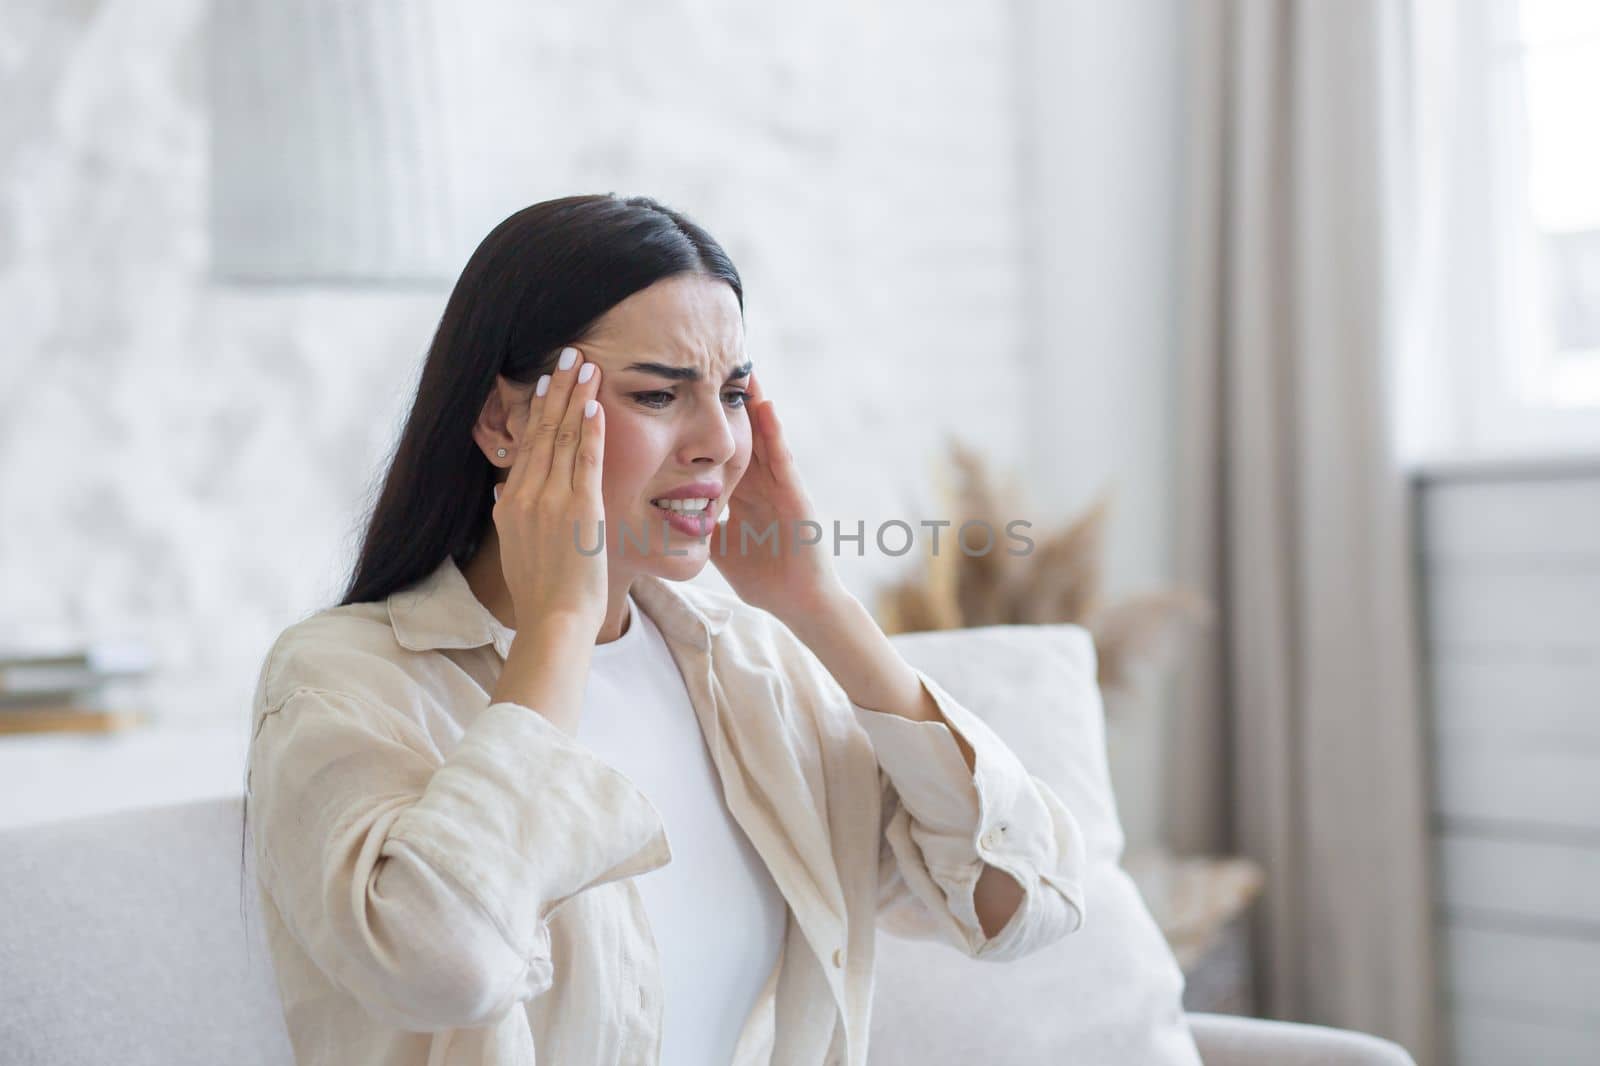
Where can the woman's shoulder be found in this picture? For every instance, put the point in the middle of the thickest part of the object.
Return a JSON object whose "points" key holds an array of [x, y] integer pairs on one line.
{"points": [[756, 641], [349, 649], [738, 622]]}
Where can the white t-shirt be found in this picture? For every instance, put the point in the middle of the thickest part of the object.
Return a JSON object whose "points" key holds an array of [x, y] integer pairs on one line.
{"points": [[716, 913]]}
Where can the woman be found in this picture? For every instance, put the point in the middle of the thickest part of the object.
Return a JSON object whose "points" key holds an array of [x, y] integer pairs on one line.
{"points": [[463, 774]]}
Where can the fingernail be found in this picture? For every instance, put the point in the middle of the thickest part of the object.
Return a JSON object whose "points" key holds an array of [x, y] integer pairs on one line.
{"points": [[568, 357], [585, 373], [497, 492], [590, 408], [543, 386]]}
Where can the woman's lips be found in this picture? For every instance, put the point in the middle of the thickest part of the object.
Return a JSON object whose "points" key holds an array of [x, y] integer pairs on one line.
{"points": [[690, 525]]}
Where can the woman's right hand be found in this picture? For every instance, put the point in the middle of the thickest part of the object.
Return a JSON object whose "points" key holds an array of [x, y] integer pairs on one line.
{"points": [[550, 504]]}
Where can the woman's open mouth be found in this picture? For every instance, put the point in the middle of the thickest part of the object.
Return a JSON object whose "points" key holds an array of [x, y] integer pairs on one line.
{"points": [[694, 517]]}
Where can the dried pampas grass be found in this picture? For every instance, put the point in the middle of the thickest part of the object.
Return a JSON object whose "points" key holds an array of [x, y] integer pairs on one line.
{"points": [[1058, 580]]}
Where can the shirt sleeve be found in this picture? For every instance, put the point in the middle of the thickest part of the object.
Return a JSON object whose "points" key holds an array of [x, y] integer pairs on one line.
{"points": [[423, 886], [942, 824]]}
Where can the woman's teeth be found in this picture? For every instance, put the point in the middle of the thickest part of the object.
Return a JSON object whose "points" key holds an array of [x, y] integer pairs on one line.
{"points": [[693, 505]]}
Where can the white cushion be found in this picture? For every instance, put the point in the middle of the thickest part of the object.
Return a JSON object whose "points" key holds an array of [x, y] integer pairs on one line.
{"points": [[1110, 993]]}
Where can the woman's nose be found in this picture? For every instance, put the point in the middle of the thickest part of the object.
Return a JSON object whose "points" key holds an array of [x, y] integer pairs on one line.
{"points": [[709, 436]]}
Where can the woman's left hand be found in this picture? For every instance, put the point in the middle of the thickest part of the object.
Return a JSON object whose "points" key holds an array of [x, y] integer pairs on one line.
{"points": [[769, 499]]}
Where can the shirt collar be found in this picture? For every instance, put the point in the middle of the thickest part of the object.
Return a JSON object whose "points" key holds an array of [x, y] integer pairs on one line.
{"points": [[441, 611]]}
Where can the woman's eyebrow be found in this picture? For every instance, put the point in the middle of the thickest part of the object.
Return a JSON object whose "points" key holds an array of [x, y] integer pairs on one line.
{"points": [[686, 373]]}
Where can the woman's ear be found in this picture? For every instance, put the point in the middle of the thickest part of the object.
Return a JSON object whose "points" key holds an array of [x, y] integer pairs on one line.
{"points": [[504, 412]]}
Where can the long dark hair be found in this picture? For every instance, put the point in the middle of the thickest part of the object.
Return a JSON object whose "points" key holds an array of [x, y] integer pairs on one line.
{"points": [[539, 281]]}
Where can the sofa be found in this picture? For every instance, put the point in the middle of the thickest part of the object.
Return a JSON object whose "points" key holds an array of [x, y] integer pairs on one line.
{"points": [[131, 938]]}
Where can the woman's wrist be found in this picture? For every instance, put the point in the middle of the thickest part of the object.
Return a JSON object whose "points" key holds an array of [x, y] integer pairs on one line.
{"points": [[546, 670]]}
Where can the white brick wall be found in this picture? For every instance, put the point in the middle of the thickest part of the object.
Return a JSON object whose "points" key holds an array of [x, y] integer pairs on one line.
{"points": [[185, 461], [950, 220]]}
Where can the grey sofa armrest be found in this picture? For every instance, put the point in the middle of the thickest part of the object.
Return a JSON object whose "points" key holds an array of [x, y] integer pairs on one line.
{"points": [[1225, 1040]]}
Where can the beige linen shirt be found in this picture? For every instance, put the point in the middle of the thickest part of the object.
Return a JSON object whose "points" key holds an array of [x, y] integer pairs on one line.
{"points": [[447, 880]]}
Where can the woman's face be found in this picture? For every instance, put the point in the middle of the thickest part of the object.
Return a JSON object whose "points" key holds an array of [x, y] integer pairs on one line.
{"points": [[665, 430]]}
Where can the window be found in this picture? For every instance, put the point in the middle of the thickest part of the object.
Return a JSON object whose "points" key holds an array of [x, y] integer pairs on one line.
{"points": [[1545, 82], [1507, 130]]}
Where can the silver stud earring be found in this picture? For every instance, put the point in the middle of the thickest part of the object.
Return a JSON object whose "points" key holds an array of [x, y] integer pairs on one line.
{"points": [[501, 453]]}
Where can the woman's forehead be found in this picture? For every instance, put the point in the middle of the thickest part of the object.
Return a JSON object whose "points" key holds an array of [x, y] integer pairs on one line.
{"points": [[683, 326]]}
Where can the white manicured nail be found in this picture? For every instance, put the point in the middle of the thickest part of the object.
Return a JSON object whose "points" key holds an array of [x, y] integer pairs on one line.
{"points": [[543, 386], [568, 357], [585, 372], [590, 408]]}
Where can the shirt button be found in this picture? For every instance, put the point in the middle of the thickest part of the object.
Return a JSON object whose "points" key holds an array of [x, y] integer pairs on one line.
{"points": [[838, 956]]}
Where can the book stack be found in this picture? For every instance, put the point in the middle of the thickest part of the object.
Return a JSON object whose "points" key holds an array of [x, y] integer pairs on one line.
{"points": [[64, 689]]}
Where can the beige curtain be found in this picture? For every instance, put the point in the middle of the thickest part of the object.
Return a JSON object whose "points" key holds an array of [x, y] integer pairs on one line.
{"points": [[1299, 734]]}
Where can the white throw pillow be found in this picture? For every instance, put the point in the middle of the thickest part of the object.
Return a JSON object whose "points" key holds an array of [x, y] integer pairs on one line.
{"points": [[1109, 994]]}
